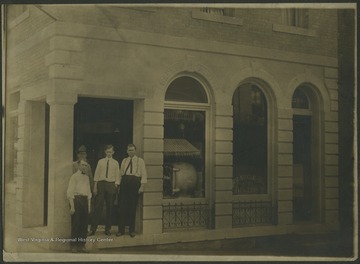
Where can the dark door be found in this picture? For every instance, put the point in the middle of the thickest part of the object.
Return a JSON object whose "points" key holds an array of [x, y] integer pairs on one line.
{"points": [[99, 122], [302, 173]]}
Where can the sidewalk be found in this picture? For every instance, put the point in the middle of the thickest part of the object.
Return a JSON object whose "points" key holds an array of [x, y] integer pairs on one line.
{"points": [[310, 245]]}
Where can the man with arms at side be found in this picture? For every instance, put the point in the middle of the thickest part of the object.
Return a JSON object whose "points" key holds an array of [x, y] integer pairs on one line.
{"points": [[132, 181], [106, 174]]}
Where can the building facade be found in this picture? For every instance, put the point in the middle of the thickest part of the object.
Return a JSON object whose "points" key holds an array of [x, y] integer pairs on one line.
{"points": [[234, 110]]}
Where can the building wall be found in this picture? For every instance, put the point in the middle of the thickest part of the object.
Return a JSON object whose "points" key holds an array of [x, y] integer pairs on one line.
{"points": [[97, 52]]}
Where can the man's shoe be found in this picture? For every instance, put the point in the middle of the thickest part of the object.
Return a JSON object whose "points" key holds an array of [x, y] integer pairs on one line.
{"points": [[119, 234], [91, 233], [108, 233], [132, 234]]}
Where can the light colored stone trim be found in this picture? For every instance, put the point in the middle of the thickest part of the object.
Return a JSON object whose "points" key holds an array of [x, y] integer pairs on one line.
{"points": [[223, 208], [224, 172], [223, 184], [154, 171], [331, 73], [285, 195], [19, 19], [285, 170], [285, 159], [223, 134], [295, 30], [223, 159], [225, 146], [285, 147], [285, 183], [152, 212], [285, 218], [197, 14], [285, 206], [331, 182], [213, 234], [331, 170], [223, 221], [332, 204]]}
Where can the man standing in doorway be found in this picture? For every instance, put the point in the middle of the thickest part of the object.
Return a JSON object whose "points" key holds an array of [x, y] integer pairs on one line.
{"points": [[107, 173], [79, 196], [133, 179], [82, 155]]}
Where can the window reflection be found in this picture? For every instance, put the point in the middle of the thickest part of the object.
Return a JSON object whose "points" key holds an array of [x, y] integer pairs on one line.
{"points": [[184, 148], [249, 141]]}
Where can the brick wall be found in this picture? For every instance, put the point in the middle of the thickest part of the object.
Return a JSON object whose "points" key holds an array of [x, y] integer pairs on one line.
{"points": [[256, 29], [25, 46]]}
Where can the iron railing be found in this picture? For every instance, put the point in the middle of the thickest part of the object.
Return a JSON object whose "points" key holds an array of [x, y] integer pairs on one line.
{"points": [[186, 216], [250, 213]]}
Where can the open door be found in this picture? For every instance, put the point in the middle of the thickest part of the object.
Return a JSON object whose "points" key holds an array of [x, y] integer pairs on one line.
{"points": [[99, 122]]}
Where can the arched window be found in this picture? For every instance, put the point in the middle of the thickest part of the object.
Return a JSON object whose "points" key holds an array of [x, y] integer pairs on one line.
{"points": [[185, 145], [250, 151], [186, 89], [300, 100]]}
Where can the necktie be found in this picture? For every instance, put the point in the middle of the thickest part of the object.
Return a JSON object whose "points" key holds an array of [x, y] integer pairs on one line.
{"points": [[130, 165], [107, 169]]}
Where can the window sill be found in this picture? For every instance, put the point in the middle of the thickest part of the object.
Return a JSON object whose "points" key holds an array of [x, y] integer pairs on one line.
{"points": [[217, 18], [294, 30]]}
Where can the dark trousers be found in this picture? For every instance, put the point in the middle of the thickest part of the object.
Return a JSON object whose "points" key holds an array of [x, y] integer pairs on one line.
{"points": [[128, 198], [79, 221], [105, 192]]}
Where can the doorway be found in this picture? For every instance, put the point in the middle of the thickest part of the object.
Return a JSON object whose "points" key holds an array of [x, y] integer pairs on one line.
{"points": [[302, 172], [100, 122]]}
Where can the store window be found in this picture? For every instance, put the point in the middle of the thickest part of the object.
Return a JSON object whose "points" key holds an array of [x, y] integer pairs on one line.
{"points": [[250, 166], [184, 139]]}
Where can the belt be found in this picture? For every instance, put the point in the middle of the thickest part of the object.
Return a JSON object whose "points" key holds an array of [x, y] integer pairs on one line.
{"points": [[80, 195], [106, 181]]}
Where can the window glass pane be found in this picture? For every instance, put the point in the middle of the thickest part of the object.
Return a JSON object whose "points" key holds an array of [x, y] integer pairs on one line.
{"points": [[250, 141], [300, 100], [184, 148], [186, 89], [298, 17]]}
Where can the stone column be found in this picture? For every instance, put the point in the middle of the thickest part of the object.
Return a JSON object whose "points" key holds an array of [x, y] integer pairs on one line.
{"points": [[285, 166], [60, 164], [223, 166], [331, 142], [153, 145]]}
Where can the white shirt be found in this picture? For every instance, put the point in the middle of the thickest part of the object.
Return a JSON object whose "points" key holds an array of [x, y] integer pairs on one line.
{"points": [[79, 184], [138, 168], [113, 170]]}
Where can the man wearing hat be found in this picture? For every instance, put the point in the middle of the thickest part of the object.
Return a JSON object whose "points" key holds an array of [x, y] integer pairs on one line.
{"points": [[82, 155]]}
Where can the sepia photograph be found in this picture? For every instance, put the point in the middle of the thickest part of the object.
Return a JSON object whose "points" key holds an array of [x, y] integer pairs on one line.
{"points": [[179, 132]]}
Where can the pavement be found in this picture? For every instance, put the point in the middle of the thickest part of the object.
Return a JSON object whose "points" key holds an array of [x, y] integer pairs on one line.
{"points": [[336, 245]]}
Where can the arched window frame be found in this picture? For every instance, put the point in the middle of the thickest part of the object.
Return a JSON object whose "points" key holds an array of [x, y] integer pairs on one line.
{"points": [[315, 111], [178, 105], [271, 142], [302, 111]]}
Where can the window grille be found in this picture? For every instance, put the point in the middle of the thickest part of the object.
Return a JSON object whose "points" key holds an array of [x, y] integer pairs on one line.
{"points": [[189, 216], [250, 213]]}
